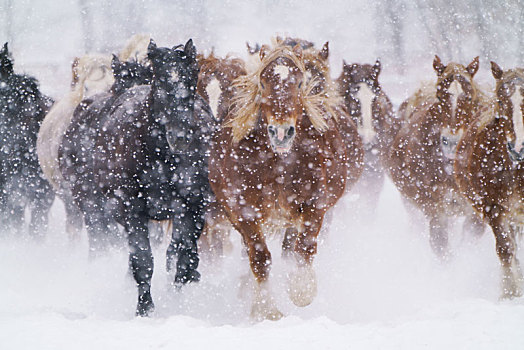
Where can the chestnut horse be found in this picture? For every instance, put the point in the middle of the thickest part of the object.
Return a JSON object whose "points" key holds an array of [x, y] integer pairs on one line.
{"points": [[281, 161], [371, 110], [422, 155], [489, 169]]}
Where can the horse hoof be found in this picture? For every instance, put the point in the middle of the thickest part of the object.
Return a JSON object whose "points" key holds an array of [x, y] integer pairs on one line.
{"points": [[303, 286], [261, 312], [145, 306], [187, 277]]}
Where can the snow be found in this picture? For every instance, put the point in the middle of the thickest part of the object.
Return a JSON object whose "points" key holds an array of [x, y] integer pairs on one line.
{"points": [[379, 284], [380, 287]]}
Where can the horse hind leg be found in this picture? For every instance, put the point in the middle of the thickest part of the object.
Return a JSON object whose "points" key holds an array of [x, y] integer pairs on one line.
{"points": [[74, 221]]}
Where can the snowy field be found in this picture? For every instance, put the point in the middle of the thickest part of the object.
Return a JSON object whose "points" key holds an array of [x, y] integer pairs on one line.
{"points": [[380, 287]]}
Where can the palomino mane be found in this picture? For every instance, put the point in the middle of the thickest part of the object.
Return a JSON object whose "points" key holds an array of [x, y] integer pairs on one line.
{"points": [[245, 109]]}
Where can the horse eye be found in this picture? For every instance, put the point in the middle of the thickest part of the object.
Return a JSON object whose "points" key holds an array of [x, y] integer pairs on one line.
{"points": [[445, 141], [262, 85], [300, 85]]}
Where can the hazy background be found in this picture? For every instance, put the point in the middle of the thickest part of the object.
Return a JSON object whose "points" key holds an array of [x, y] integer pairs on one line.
{"points": [[45, 35]]}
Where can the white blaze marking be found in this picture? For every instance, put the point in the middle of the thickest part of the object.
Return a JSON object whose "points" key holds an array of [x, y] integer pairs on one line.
{"points": [[174, 75], [455, 89], [282, 71], [518, 123], [365, 95], [214, 91]]}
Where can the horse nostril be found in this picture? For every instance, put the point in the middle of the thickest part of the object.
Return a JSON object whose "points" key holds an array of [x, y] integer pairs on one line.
{"points": [[291, 131], [272, 130]]}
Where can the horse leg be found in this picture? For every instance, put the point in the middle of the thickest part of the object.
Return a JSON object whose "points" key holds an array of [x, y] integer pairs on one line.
{"points": [[141, 261], [506, 246], [303, 282], [473, 225], [186, 231], [40, 214], [438, 236], [264, 306], [74, 220], [288, 244], [97, 224]]}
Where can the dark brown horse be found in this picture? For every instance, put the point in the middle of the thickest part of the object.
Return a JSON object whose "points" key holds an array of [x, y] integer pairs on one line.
{"points": [[490, 171], [281, 162], [422, 155], [371, 110]]}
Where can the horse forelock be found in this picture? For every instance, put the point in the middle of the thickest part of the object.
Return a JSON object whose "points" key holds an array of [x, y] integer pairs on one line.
{"points": [[453, 68], [246, 103]]}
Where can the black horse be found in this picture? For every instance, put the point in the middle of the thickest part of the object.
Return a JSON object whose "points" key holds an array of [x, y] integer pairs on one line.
{"points": [[22, 184], [148, 160], [77, 147]]}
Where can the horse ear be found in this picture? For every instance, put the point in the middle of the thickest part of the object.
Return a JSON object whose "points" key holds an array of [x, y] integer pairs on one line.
{"points": [[264, 49], [473, 67], [324, 53], [115, 62], [377, 67], [190, 49], [496, 71], [253, 50], [438, 66], [297, 50], [151, 49], [4, 49]]}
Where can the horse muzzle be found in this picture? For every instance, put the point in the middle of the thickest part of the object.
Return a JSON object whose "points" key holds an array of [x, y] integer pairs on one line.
{"points": [[281, 137]]}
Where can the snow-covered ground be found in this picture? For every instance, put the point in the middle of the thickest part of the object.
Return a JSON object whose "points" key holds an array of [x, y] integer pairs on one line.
{"points": [[380, 287]]}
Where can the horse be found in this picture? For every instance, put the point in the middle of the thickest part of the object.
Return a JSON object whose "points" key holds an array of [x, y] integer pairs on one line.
{"points": [[215, 237], [489, 170], [371, 110], [149, 161], [91, 75], [280, 161], [215, 86], [422, 154], [77, 144], [22, 109]]}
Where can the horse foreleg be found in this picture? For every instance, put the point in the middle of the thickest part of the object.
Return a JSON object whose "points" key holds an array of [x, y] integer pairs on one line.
{"points": [[506, 245], [141, 261], [74, 220], [303, 282], [40, 215], [187, 228]]}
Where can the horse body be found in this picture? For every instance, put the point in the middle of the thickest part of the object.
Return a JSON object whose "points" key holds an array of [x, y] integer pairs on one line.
{"points": [[278, 164], [491, 175], [149, 161], [22, 109], [371, 110], [422, 155]]}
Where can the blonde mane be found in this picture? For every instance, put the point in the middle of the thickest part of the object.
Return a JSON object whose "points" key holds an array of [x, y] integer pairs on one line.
{"points": [[245, 108]]}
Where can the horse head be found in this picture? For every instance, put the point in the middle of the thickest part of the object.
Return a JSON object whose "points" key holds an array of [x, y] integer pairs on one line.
{"points": [[175, 75], [129, 74], [93, 74], [360, 85], [458, 101], [509, 91], [281, 106], [6, 63]]}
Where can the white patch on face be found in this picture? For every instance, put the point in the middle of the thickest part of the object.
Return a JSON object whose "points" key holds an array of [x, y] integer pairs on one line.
{"points": [[449, 146], [455, 89], [213, 92], [174, 76], [518, 123], [282, 71], [365, 128]]}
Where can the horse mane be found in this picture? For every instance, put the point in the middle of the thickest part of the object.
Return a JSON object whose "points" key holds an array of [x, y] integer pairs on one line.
{"points": [[245, 106], [425, 95], [212, 62]]}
